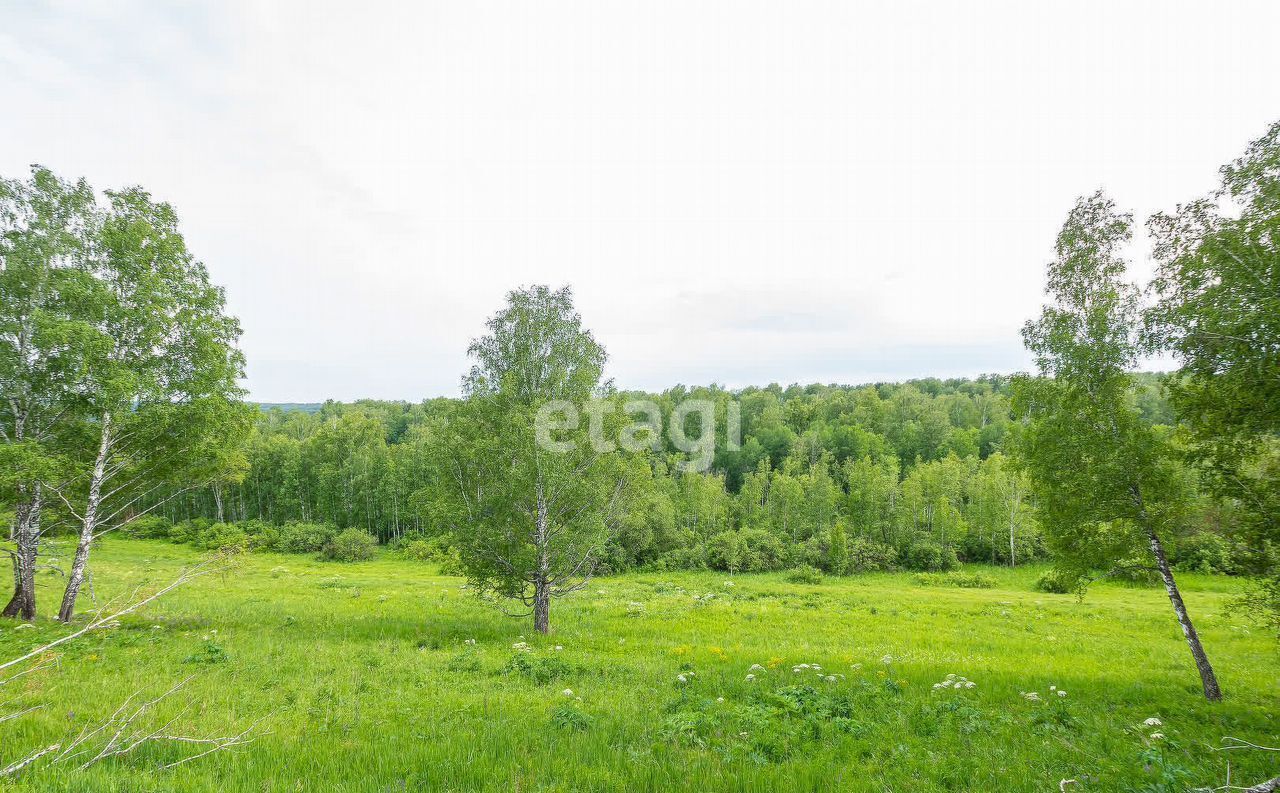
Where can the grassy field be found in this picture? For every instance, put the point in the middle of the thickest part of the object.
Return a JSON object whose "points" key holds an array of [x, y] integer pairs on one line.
{"points": [[361, 678]]}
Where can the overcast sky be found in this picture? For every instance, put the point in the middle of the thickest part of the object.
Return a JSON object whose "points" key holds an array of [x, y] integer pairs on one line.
{"points": [[739, 192]]}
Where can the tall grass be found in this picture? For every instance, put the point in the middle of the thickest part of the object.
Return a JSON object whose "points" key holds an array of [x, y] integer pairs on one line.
{"points": [[364, 680]]}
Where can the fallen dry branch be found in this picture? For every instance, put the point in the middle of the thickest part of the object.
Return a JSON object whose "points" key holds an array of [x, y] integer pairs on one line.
{"points": [[107, 617]]}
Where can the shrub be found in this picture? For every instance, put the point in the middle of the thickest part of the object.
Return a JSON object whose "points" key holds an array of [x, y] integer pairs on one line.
{"points": [[724, 551], [148, 527], [957, 579], [927, 556], [1056, 582], [805, 574], [1206, 552], [352, 545], [299, 537], [866, 556], [187, 531], [419, 551], [761, 551], [220, 536]]}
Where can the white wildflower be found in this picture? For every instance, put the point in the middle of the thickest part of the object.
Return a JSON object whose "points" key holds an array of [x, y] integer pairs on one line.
{"points": [[750, 678], [756, 668], [970, 684], [1157, 736], [469, 641], [957, 684], [682, 678], [559, 647], [568, 692], [1030, 696], [951, 676], [888, 659], [1062, 692], [1153, 722]]}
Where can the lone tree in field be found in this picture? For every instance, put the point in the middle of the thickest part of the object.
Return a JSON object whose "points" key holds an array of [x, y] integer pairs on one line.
{"points": [[529, 507], [1108, 486]]}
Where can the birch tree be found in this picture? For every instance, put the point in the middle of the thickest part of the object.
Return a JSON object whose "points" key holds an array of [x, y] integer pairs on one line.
{"points": [[530, 522], [46, 295], [164, 390], [1107, 483]]}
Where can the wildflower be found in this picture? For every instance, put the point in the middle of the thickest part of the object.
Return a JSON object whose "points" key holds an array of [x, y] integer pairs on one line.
{"points": [[1053, 688], [568, 692], [719, 699], [559, 647], [756, 668], [1030, 696], [951, 676], [729, 584], [750, 678], [957, 684], [469, 641], [1157, 736], [682, 678], [522, 647], [856, 667], [1153, 722], [1062, 693], [888, 659], [970, 684], [830, 678]]}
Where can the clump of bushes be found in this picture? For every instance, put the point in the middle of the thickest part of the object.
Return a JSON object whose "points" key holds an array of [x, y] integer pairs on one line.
{"points": [[1056, 582], [869, 556], [956, 579], [805, 574], [352, 545], [929, 557], [1206, 552], [148, 527]]}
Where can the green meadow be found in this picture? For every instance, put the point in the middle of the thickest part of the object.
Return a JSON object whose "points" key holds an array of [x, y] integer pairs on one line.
{"points": [[386, 676]]}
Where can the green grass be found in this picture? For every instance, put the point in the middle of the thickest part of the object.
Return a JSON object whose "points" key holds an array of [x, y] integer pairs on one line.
{"points": [[362, 681]]}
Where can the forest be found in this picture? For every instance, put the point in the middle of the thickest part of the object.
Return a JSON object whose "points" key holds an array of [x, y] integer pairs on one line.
{"points": [[726, 527]]}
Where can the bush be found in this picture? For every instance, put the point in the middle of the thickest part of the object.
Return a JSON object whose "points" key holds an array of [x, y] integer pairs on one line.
{"points": [[805, 574], [1056, 582], [930, 557], [761, 551], [724, 552], [186, 532], [1206, 552], [148, 527], [957, 579], [352, 545], [867, 556], [221, 536], [298, 537]]}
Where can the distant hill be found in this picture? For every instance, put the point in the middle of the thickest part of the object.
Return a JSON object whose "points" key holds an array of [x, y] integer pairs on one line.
{"points": [[300, 407]]}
